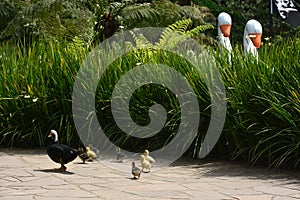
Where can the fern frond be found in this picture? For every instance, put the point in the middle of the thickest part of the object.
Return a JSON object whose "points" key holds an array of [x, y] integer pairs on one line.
{"points": [[180, 26], [133, 14], [199, 29], [116, 7], [141, 41], [7, 11], [167, 8], [175, 32], [193, 13]]}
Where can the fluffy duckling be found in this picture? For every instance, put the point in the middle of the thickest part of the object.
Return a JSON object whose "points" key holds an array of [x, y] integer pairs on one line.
{"points": [[145, 163], [60, 153], [90, 154], [95, 149], [82, 154], [148, 157], [136, 172], [120, 155]]}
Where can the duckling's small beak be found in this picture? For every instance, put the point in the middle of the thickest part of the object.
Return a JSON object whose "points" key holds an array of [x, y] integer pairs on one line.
{"points": [[256, 39], [225, 29], [50, 135]]}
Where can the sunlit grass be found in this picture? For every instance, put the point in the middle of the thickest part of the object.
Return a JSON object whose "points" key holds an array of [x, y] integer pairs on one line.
{"points": [[35, 93], [263, 122], [263, 114]]}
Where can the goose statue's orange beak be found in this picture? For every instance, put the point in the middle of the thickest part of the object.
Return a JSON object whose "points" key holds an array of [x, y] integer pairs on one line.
{"points": [[256, 39], [225, 29]]}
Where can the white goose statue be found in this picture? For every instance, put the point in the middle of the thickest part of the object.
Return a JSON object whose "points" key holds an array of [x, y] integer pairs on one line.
{"points": [[224, 29], [252, 38]]}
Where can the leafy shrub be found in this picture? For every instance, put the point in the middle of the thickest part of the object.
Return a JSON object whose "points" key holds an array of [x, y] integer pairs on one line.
{"points": [[50, 20]]}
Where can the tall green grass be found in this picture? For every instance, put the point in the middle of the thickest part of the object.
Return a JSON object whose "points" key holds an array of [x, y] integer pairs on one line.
{"points": [[145, 97], [263, 114], [35, 92], [263, 118]]}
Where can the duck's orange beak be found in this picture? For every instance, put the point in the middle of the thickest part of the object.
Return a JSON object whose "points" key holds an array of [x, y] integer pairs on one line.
{"points": [[256, 39], [225, 29]]}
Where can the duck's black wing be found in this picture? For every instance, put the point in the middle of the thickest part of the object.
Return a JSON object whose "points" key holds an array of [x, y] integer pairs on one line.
{"points": [[62, 153]]}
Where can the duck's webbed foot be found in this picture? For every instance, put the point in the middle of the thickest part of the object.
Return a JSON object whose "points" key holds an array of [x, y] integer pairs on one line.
{"points": [[62, 168]]}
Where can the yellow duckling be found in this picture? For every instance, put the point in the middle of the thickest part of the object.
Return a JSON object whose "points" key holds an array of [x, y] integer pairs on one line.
{"points": [[145, 163], [96, 150], [136, 172], [90, 154], [148, 157]]}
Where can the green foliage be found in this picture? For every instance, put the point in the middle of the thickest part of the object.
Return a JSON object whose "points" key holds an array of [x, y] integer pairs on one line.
{"points": [[262, 123], [35, 93], [142, 99], [199, 29], [263, 115], [132, 14], [7, 11], [244, 10], [90, 20], [183, 28], [51, 19]]}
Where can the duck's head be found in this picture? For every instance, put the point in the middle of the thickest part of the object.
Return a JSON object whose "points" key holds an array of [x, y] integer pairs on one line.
{"points": [[117, 149], [253, 30], [87, 149], [133, 164], [81, 150], [224, 24], [146, 152], [53, 136]]}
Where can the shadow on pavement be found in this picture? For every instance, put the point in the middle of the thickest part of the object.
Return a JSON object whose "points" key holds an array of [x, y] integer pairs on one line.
{"points": [[217, 168], [53, 171]]}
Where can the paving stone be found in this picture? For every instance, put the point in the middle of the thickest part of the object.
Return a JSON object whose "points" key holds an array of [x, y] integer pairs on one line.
{"points": [[236, 184], [153, 187], [29, 174], [11, 162], [25, 191], [276, 190], [69, 198], [283, 198], [18, 197], [293, 186], [200, 186], [16, 173], [297, 196], [86, 180], [106, 193], [208, 195], [240, 191], [254, 197], [68, 193]]}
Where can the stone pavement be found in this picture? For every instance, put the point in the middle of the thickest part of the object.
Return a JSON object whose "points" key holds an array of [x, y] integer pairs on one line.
{"points": [[28, 174]]}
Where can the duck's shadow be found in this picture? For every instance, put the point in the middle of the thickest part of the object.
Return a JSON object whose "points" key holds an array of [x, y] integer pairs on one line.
{"points": [[54, 171], [133, 178], [117, 161]]}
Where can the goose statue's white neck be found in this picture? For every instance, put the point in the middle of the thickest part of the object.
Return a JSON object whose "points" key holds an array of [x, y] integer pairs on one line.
{"points": [[252, 38], [224, 28]]}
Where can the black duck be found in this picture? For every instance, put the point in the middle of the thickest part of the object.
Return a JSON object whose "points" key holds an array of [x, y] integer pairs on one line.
{"points": [[60, 153]]}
